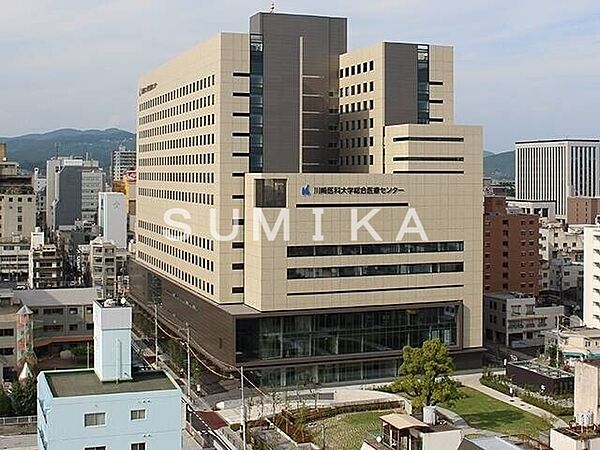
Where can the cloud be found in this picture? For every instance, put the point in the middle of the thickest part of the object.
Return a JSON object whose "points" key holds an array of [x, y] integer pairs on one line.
{"points": [[522, 68]]}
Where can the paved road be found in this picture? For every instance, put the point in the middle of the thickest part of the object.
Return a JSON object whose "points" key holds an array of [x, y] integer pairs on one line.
{"points": [[23, 442]]}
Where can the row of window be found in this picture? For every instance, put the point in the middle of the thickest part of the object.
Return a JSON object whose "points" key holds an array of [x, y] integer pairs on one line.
{"points": [[356, 160], [199, 198], [19, 199], [372, 271], [349, 125], [198, 241], [357, 106], [356, 69], [179, 177], [182, 91], [374, 249], [7, 332], [183, 108], [366, 141], [183, 125], [201, 284], [356, 89], [134, 446], [55, 328], [170, 144], [178, 160], [183, 255]]}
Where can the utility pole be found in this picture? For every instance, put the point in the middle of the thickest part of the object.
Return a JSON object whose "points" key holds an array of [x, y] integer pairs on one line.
{"points": [[243, 410], [189, 368], [156, 335]]}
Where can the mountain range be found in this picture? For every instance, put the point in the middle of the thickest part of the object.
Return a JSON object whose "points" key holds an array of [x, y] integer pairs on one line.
{"points": [[32, 150]]}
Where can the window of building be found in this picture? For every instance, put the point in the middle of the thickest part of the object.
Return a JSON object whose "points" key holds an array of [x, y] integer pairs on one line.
{"points": [[138, 414], [271, 193], [138, 446], [7, 351], [101, 447], [7, 332], [73, 327], [89, 326], [73, 311], [94, 419]]}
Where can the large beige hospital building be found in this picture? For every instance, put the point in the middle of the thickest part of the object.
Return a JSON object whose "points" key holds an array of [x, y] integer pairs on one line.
{"points": [[285, 118]]}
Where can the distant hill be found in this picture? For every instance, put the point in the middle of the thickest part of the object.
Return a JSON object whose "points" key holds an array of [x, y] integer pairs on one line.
{"points": [[499, 165], [486, 153], [32, 150]]}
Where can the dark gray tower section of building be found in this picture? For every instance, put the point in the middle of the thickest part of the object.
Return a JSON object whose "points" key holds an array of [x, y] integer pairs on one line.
{"points": [[299, 91]]}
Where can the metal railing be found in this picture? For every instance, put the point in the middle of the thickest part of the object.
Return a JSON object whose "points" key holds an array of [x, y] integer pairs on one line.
{"points": [[21, 420]]}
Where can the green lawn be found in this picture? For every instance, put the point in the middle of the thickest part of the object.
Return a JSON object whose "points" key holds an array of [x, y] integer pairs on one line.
{"points": [[347, 431], [486, 413]]}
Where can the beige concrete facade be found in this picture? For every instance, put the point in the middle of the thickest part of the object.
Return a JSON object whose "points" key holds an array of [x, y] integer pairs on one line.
{"points": [[378, 87], [209, 167], [194, 147]]}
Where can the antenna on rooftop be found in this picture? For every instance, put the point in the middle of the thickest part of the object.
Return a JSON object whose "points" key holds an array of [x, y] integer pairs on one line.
{"points": [[272, 10]]}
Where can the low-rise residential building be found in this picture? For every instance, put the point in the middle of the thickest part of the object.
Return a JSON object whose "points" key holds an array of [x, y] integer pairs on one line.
{"points": [[574, 343], [61, 318], [45, 267], [14, 259], [514, 320], [113, 405], [561, 253]]}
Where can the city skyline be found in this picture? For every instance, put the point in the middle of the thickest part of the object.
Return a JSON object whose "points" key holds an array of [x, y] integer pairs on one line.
{"points": [[523, 70]]}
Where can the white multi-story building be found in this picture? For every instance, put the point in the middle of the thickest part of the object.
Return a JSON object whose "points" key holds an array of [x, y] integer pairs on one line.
{"points": [[112, 217], [122, 160], [105, 263], [591, 276], [112, 406], [553, 170]]}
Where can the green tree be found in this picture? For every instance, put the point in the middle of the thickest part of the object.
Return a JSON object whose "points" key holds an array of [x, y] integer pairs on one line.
{"points": [[5, 404], [425, 375], [23, 397]]}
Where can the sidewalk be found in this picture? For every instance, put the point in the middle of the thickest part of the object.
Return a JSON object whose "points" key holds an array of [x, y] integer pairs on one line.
{"points": [[472, 381]]}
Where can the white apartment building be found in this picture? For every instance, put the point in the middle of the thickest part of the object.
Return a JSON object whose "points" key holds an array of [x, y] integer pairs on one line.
{"points": [[591, 276], [105, 263], [112, 217], [112, 406], [552, 170], [285, 118], [122, 160]]}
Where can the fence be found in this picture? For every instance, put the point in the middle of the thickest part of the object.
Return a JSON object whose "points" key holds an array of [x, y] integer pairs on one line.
{"points": [[22, 420]]}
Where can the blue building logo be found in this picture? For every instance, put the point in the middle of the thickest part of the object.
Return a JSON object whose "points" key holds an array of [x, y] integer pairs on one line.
{"points": [[306, 190]]}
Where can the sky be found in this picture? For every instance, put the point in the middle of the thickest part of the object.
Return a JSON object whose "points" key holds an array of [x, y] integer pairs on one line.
{"points": [[523, 69]]}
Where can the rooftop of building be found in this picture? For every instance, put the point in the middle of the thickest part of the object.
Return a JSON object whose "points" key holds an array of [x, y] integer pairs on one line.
{"points": [[578, 331], [57, 297], [550, 372], [547, 141], [580, 433], [489, 443], [508, 295], [81, 382]]}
